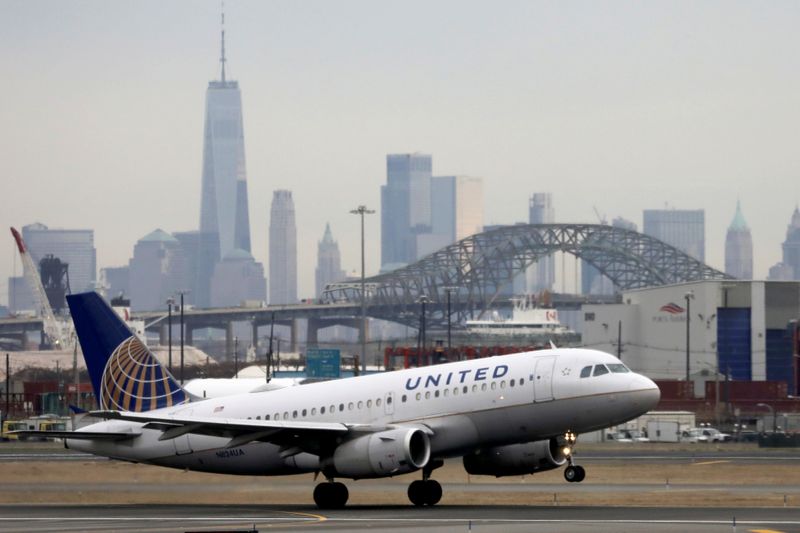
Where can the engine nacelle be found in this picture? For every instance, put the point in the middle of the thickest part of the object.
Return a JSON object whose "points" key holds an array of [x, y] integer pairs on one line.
{"points": [[396, 451], [516, 459]]}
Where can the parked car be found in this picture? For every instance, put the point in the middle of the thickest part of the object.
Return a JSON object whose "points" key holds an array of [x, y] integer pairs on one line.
{"points": [[707, 434], [627, 435]]}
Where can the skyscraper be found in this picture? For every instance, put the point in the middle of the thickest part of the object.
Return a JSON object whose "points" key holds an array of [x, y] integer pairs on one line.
{"points": [[791, 251], [224, 217], [592, 281], [542, 275], [329, 262], [685, 229], [282, 249], [405, 207], [157, 271], [456, 212], [739, 247]]}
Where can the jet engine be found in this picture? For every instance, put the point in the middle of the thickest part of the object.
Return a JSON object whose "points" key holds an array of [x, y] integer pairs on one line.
{"points": [[516, 459], [386, 453]]}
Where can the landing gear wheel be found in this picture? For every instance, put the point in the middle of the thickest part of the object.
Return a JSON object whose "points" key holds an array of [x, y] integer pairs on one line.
{"points": [[427, 492], [571, 473], [332, 495], [581, 474], [433, 492]]}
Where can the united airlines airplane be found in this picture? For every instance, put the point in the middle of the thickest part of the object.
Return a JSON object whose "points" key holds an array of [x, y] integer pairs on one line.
{"points": [[505, 415]]}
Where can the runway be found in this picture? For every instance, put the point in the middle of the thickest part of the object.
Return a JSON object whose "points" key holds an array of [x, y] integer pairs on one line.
{"points": [[174, 518]]}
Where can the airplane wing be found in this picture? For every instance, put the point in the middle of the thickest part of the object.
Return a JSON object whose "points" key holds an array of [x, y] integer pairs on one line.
{"points": [[79, 435], [294, 437]]}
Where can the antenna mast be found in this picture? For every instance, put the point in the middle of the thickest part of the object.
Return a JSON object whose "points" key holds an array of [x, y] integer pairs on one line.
{"points": [[222, 55]]}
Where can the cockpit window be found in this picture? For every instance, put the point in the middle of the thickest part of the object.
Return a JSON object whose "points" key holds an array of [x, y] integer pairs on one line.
{"points": [[586, 372], [618, 368], [599, 370]]}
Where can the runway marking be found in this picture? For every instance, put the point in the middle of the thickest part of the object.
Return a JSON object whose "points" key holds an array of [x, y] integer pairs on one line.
{"points": [[710, 462], [766, 531]]}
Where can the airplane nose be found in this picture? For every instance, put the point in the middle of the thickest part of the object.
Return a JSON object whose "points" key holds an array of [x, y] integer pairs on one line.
{"points": [[647, 392]]}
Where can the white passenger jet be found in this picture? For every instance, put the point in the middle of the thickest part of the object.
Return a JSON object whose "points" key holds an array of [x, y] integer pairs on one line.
{"points": [[506, 415]]}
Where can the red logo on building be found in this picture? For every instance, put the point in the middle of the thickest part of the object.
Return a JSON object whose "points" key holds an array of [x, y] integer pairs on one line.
{"points": [[672, 308]]}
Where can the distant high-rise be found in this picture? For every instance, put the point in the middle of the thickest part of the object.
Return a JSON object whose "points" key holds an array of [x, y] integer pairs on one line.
{"points": [[456, 212], [329, 262], [237, 278], [739, 247], [542, 275], [224, 216], [685, 229], [405, 207], [75, 247], [157, 271], [282, 250], [791, 250]]}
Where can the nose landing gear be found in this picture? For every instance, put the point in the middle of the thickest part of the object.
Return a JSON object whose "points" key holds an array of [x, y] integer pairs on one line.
{"points": [[573, 473]]}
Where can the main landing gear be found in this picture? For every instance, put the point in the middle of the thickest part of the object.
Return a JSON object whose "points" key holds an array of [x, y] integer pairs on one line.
{"points": [[426, 491], [573, 473], [331, 495]]}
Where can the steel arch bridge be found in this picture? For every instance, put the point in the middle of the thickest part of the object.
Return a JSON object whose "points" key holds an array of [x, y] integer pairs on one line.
{"points": [[475, 269]]}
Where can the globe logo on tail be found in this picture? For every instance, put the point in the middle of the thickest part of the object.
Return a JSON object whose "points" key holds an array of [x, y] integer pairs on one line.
{"points": [[134, 380]]}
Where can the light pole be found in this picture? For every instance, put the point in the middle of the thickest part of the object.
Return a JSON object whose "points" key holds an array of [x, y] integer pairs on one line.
{"points": [[361, 211], [449, 290], [423, 299], [181, 374], [774, 416], [689, 296], [170, 302]]}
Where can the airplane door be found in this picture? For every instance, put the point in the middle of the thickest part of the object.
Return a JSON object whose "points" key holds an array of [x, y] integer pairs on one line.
{"points": [[543, 379], [388, 403]]}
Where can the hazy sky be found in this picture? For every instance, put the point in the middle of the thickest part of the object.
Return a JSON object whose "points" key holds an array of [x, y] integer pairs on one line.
{"points": [[619, 105]]}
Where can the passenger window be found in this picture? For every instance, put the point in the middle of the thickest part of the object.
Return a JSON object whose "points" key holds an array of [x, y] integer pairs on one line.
{"points": [[455, 391], [599, 370], [494, 385], [521, 381], [388, 399], [313, 411], [350, 406], [341, 407], [503, 384], [466, 389], [258, 417], [475, 388], [266, 417], [483, 387], [618, 368], [427, 395], [586, 371], [285, 415], [369, 403], [404, 398], [378, 402], [294, 414], [511, 383], [360, 405], [436, 393], [305, 412], [277, 416], [419, 396]]}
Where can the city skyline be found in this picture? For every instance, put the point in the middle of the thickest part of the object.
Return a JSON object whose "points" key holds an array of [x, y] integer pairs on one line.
{"points": [[657, 104]]}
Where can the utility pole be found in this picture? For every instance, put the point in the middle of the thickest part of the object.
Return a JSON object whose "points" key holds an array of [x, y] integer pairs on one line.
{"points": [[236, 357], [182, 333], [170, 302], [269, 352], [619, 340], [362, 210], [689, 295]]}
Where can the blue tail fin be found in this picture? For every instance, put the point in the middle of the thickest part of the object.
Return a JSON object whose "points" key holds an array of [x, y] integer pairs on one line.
{"points": [[126, 376]]}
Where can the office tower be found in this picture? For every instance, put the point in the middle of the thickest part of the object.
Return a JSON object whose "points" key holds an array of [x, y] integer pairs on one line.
{"points": [[157, 271], [201, 259], [224, 218], [456, 212], [282, 250], [684, 229], [115, 281], [237, 278], [739, 247], [592, 281], [329, 262], [405, 207], [791, 246], [75, 247], [542, 275]]}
